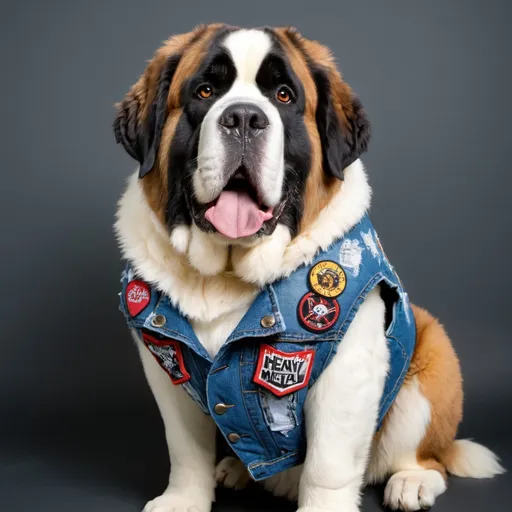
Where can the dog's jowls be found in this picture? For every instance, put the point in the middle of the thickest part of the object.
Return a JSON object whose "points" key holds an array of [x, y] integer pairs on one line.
{"points": [[248, 143]]}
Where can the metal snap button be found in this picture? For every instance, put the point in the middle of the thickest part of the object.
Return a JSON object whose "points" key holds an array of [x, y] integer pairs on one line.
{"points": [[221, 408], [268, 321], [233, 437], [158, 321]]}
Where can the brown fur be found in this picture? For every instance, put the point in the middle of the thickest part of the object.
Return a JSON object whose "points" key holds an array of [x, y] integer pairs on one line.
{"points": [[437, 369], [143, 93], [320, 188]]}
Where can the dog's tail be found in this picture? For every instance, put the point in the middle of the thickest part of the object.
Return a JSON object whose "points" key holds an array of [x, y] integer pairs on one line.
{"points": [[472, 460]]}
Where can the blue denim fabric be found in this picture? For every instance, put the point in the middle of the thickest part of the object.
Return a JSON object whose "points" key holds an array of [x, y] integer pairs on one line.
{"points": [[271, 428]]}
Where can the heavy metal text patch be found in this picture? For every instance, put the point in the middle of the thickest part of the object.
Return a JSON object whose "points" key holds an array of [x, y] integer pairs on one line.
{"points": [[283, 372]]}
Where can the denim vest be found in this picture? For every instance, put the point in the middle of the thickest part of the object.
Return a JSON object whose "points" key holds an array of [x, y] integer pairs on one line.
{"points": [[256, 385]]}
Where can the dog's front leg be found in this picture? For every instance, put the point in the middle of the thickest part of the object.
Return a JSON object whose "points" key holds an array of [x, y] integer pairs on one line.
{"points": [[191, 441], [341, 412]]}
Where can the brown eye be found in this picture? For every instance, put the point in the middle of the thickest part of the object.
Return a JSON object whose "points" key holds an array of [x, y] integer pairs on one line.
{"points": [[283, 95], [205, 91]]}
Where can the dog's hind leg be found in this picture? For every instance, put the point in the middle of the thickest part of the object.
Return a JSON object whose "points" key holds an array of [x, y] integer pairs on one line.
{"points": [[417, 442]]}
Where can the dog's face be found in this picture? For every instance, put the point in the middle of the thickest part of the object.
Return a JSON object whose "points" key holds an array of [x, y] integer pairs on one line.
{"points": [[239, 130]]}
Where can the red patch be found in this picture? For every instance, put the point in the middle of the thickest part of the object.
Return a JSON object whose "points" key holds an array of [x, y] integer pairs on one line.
{"points": [[138, 296], [168, 354], [317, 313], [283, 372]]}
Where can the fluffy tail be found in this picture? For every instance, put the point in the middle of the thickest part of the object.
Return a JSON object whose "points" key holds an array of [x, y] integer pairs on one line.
{"points": [[468, 459]]}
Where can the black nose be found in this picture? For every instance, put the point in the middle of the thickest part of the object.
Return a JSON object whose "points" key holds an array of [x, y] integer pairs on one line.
{"points": [[248, 118]]}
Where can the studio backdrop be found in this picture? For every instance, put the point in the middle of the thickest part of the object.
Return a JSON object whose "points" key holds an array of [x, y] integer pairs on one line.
{"points": [[79, 429]]}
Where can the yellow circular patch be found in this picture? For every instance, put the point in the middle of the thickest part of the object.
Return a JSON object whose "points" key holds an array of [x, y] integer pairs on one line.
{"points": [[328, 279]]}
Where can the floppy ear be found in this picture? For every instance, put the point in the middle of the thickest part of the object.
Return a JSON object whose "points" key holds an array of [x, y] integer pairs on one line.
{"points": [[342, 123], [141, 115]]}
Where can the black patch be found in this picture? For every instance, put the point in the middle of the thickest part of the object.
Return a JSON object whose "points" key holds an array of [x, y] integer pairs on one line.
{"points": [[340, 147], [142, 140]]}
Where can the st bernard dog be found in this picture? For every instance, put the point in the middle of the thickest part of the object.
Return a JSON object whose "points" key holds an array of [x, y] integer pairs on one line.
{"points": [[258, 293]]}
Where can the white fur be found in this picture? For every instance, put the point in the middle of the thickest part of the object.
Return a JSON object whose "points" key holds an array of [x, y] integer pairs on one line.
{"points": [[407, 423], [178, 263], [470, 459], [248, 48], [190, 438], [339, 430]]}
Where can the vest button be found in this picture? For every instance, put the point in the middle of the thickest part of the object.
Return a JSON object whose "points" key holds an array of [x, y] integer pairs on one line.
{"points": [[268, 321], [233, 437], [158, 321], [221, 408]]}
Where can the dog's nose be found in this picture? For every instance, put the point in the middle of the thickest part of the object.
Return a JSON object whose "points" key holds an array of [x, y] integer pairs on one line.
{"points": [[249, 119]]}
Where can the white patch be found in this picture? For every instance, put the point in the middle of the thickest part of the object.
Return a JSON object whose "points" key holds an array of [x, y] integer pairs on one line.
{"points": [[351, 256], [204, 254], [405, 427], [180, 238], [370, 242], [248, 48], [413, 490], [470, 459], [262, 263]]}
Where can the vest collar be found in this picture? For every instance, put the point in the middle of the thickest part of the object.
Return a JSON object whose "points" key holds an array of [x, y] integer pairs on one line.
{"points": [[272, 313]]}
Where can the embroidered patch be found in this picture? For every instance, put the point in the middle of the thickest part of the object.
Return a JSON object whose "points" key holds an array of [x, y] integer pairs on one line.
{"points": [[138, 295], [168, 354], [317, 313], [283, 372], [328, 279]]}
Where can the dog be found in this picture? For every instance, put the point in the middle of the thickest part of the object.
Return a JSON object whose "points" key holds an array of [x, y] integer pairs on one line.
{"points": [[259, 294]]}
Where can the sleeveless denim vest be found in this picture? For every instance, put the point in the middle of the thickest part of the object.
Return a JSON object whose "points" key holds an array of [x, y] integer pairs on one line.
{"points": [[256, 386]]}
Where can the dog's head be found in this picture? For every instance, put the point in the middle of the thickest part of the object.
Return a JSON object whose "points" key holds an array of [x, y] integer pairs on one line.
{"points": [[238, 130]]}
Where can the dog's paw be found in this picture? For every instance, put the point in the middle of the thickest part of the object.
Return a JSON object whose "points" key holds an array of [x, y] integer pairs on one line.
{"points": [[285, 483], [413, 490], [231, 473], [174, 502]]}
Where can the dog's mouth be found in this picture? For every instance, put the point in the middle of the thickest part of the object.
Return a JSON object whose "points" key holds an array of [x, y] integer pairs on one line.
{"points": [[238, 211]]}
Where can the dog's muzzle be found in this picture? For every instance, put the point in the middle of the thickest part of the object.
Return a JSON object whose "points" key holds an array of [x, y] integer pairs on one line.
{"points": [[239, 210]]}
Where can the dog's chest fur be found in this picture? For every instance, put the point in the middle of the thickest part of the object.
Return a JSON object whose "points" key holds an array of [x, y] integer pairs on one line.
{"points": [[215, 304]]}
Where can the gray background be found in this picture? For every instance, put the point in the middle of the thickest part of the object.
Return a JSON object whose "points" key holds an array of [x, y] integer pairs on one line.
{"points": [[79, 429]]}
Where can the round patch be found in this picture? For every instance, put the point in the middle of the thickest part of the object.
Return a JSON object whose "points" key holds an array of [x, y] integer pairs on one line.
{"points": [[318, 313], [328, 279]]}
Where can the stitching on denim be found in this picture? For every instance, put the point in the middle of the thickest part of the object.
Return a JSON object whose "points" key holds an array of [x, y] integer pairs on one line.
{"points": [[248, 416], [255, 465], [385, 405]]}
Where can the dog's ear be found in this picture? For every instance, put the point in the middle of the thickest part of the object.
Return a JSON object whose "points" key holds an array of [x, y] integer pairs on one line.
{"points": [[342, 123], [141, 115]]}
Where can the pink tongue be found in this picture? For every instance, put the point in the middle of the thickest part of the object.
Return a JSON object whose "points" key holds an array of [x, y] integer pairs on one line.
{"points": [[236, 215]]}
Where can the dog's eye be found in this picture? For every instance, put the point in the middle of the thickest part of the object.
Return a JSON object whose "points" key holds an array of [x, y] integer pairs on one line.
{"points": [[283, 94], [205, 91]]}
